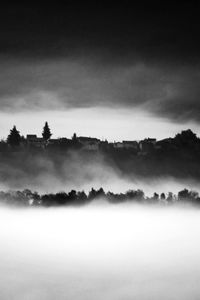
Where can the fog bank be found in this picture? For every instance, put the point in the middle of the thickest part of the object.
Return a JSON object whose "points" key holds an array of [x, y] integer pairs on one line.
{"points": [[123, 252]]}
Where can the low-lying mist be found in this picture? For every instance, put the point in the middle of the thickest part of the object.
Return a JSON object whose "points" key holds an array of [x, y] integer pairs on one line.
{"points": [[104, 252], [53, 172]]}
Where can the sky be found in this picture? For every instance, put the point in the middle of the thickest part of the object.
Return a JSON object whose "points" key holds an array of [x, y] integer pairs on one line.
{"points": [[113, 71]]}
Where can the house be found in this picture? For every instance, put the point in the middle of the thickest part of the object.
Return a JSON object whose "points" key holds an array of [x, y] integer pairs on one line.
{"points": [[89, 143], [147, 145], [166, 144], [53, 142], [118, 145], [33, 140], [130, 145]]}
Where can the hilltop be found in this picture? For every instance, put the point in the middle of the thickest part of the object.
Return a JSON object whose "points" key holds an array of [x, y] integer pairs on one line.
{"points": [[50, 164]]}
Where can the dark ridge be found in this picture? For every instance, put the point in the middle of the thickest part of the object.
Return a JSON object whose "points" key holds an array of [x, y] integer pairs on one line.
{"points": [[177, 157]]}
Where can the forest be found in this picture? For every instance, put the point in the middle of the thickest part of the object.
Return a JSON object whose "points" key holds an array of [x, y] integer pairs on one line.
{"points": [[27, 198]]}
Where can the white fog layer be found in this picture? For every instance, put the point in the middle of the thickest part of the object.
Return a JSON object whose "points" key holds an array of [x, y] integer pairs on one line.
{"points": [[111, 252]]}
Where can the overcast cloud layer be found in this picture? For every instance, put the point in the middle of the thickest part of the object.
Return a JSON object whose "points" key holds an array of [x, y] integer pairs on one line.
{"points": [[101, 56], [169, 92]]}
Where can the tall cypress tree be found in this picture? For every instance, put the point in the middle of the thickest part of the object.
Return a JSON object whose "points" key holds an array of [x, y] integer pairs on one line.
{"points": [[14, 137], [46, 132]]}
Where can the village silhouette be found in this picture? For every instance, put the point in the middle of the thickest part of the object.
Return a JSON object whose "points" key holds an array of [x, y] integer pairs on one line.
{"points": [[16, 142]]}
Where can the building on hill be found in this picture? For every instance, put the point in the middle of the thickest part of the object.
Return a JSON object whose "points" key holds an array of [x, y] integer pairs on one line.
{"points": [[118, 145], [147, 145], [166, 144], [89, 143], [33, 140], [131, 145], [53, 142]]}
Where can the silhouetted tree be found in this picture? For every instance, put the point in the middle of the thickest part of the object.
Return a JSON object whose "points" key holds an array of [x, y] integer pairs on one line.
{"points": [[46, 132], [186, 195], [162, 196], [155, 197], [74, 137], [82, 197], [140, 195], [75, 142], [170, 197], [72, 196], [183, 195], [186, 137], [92, 194], [14, 137]]}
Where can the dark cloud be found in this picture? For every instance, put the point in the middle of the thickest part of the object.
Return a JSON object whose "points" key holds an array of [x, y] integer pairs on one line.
{"points": [[155, 31], [90, 55], [184, 103], [77, 83], [74, 83]]}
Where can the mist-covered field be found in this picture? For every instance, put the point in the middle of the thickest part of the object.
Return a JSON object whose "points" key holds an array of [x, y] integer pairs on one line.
{"points": [[100, 252]]}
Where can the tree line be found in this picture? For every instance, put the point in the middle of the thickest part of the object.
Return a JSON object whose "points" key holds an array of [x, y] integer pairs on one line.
{"points": [[27, 198]]}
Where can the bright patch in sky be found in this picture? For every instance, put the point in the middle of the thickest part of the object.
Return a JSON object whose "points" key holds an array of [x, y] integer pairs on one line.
{"points": [[104, 123]]}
